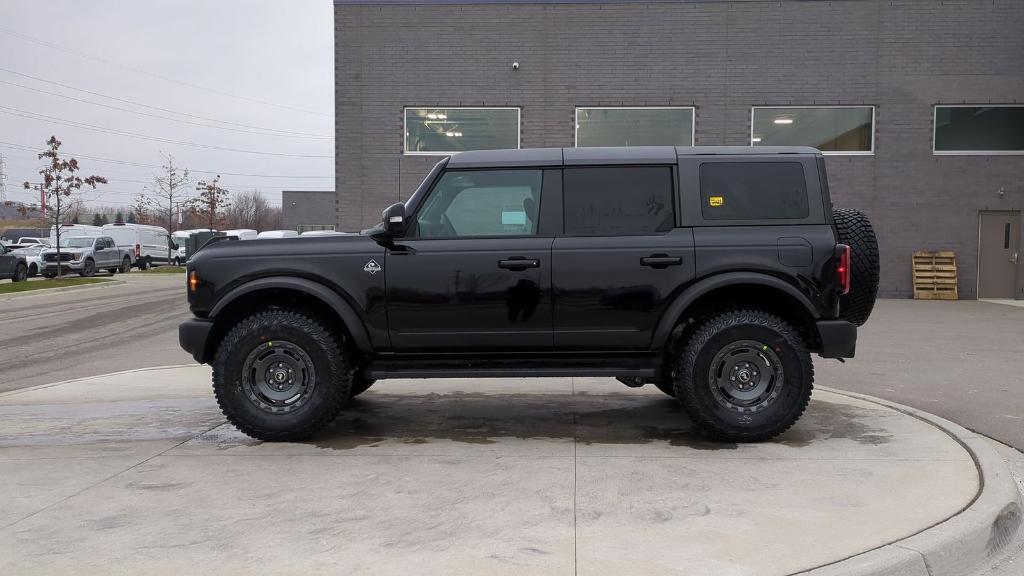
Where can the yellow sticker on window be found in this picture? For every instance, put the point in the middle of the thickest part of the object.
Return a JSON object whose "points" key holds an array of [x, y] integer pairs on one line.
{"points": [[716, 200]]}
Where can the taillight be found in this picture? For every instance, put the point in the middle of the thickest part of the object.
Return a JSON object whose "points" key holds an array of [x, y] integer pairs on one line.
{"points": [[843, 268], [138, 250]]}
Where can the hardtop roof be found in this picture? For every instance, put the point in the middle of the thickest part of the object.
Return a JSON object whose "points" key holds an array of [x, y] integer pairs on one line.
{"points": [[611, 155]]}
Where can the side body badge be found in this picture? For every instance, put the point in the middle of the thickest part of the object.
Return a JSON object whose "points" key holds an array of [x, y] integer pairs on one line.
{"points": [[372, 267]]}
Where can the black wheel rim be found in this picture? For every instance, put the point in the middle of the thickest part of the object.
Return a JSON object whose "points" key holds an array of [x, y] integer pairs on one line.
{"points": [[278, 377], [746, 376]]}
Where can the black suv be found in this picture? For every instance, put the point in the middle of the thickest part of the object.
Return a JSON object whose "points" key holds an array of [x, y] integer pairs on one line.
{"points": [[710, 272]]}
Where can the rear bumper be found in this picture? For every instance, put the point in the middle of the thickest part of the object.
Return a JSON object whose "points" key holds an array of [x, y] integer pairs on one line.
{"points": [[193, 335], [838, 338]]}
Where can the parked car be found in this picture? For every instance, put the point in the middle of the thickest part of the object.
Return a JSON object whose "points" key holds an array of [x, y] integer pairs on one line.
{"points": [[33, 257], [180, 239], [85, 255], [241, 234], [147, 245], [12, 265], [277, 234], [712, 273]]}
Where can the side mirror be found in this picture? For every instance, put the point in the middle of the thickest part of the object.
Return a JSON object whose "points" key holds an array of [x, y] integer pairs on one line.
{"points": [[392, 222]]}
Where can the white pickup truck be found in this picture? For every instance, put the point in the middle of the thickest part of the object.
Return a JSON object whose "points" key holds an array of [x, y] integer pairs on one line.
{"points": [[85, 255]]}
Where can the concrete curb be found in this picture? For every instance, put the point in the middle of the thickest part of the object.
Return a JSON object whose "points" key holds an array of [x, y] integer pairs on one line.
{"points": [[959, 544], [104, 284]]}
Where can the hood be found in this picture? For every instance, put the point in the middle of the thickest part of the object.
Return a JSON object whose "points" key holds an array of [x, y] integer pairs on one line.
{"points": [[278, 247]]}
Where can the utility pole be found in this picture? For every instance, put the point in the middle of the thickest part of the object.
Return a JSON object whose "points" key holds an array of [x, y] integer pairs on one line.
{"points": [[3, 179]]}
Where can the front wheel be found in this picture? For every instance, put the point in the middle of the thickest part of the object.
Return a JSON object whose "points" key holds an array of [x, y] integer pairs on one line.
{"points": [[88, 269], [744, 376], [281, 376], [33, 271]]}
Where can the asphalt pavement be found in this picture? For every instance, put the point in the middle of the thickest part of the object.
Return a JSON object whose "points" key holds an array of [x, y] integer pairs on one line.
{"points": [[56, 336]]}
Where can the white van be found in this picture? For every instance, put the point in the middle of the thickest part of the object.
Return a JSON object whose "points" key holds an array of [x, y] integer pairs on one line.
{"points": [[277, 234], [327, 233], [74, 230], [146, 244], [241, 233]]}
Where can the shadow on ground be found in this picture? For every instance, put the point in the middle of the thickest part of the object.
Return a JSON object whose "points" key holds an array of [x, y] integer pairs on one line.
{"points": [[376, 419]]}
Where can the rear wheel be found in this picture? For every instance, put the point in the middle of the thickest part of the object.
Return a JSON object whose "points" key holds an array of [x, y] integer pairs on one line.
{"points": [[20, 273], [281, 376], [744, 376], [33, 270], [143, 263], [855, 231], [126, 265]]}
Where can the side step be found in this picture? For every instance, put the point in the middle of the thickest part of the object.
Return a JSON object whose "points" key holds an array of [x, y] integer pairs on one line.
{"points": [[643, 365]]}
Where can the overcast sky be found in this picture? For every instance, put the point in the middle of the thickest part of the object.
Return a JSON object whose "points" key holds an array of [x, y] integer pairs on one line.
{"points": [[242, 74]]}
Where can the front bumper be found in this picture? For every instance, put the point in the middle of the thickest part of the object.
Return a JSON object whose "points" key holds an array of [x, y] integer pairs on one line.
{"points": [[70, 265], [193, 335], [838, 338]]}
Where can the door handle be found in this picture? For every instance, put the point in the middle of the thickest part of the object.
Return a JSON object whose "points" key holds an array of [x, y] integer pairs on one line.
{"points": [[518, 263], [660, 261]]}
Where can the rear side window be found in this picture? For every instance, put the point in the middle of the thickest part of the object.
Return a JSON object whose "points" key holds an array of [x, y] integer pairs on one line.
{"points": [[753, 191], [624, 200]]}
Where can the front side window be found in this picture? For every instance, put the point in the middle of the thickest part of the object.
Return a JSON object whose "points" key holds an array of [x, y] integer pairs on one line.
{"points": [[753, 191], [615, 201], [449, 130], [833, 129], [634, 127], [979, 129], [481, 203]]}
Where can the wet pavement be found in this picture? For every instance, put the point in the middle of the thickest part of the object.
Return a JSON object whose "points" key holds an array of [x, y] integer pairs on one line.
{"points": [[138, 472]]}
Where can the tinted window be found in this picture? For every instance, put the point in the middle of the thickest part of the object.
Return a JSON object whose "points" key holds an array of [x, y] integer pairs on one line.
{"points": [[845, 129], [481, 203], [753, 190], [620, 200], [979, 129]]}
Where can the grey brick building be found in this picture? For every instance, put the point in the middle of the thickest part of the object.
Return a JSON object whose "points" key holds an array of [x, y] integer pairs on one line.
{"points": [[897, 62], [304, 210]]}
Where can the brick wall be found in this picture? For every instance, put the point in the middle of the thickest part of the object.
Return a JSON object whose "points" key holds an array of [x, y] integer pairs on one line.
{"points": [[722, 58]]}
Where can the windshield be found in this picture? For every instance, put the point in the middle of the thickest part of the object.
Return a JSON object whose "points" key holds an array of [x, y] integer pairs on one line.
{"points": [[84, 242]]}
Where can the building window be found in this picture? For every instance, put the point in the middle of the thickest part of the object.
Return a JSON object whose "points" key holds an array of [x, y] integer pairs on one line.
{"points": [[634, 127], [831, 129], [979, 130], [753, 191], [448, 130], [617, 201]]}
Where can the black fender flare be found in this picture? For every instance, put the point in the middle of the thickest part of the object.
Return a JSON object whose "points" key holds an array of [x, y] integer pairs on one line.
{"points": [[688, 296], [342, 308]]}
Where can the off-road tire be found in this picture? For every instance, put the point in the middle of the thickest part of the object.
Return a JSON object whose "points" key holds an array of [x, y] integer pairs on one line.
{"points": [[361, 384], [330, 390], [693, 377], [855, 230], [20, 273]]}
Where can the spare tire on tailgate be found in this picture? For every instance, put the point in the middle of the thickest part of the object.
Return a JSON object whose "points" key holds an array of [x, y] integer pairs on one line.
{"points": [[855, 231]]}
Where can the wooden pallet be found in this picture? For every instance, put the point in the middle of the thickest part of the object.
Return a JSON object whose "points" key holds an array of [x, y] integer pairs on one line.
{"points": [[935, 275]]}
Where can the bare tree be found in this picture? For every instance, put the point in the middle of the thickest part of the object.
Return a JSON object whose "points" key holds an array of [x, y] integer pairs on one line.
{"points": [[166, 197], [212, 200], [60, 188]]}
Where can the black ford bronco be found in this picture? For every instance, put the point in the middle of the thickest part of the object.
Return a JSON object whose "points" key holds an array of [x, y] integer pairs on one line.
{"points": [[709, 272]]}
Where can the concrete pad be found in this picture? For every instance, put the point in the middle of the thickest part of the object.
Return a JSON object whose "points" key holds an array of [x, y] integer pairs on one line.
{"points": [[136, 472]]}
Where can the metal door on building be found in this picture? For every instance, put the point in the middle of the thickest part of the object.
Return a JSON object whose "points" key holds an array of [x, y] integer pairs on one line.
{"points": [[998, 254]]}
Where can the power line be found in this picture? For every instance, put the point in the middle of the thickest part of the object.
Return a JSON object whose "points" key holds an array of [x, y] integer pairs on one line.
{"points": [[45, 118], [153, 75], [33, 149], [140, 104], [242, 130]]}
